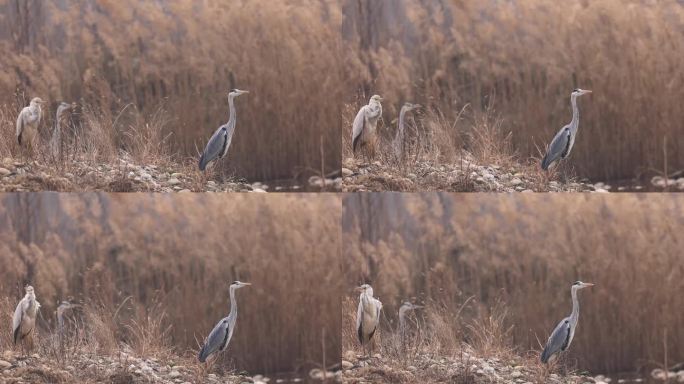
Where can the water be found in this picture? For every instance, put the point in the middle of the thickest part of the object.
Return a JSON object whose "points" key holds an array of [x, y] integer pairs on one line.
{"points": [[633, 185]]}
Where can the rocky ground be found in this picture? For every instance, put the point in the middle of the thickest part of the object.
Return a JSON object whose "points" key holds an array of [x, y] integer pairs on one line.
{"points": [[125, 368], [465, 368], [127, 176], [468, 176], [120, 369]]}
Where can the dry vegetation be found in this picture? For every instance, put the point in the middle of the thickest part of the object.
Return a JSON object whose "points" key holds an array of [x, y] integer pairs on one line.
{"points": [[153, 273], [152, 78], [516, 63], [495, 273]]}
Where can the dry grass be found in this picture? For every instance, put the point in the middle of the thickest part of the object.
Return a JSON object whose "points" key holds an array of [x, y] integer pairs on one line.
{"points": [[517, 256], [153, 272], [181, 57], [524, 58]]}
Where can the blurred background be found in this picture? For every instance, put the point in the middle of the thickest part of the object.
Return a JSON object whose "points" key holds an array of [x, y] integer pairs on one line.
{"points": [[517, 62], [160, 71], [495, 272], [154, 271]]}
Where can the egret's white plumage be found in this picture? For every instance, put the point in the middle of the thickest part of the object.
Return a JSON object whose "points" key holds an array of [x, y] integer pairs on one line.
{"points": [[367, 315], [366, 122], [24, 319], [562, 335], [220, 336], [28, 122]]}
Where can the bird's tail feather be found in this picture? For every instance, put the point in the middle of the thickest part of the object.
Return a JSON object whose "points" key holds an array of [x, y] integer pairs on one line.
{"points": [[16, 335], [545, 355], [545, 162], [202, 163], [202, 354]]}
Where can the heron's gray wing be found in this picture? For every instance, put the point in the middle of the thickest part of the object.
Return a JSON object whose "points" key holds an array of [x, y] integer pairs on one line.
{"points": [[16, 319], [558, 147], [558, 340], [20, 125], [358, 126], [217, 338], [214, 147]]}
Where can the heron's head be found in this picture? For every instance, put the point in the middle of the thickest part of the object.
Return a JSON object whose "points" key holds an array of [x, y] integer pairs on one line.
{"points": [[409, 305], [376, 99], [236, 92], [239, 284], [581, 285], [580, 92], [29, 289], [63, 107], [37, 101], [411, 107]]}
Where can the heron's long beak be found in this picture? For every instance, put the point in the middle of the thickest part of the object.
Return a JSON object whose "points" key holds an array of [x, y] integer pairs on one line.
{"points": [[246, 283], [243, 92], [358, 289], [586, 91], [588, 284]]}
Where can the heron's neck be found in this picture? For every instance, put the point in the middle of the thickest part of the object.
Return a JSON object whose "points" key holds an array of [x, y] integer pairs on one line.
{"points": [[233, 303], [575, 113], [402, 319], [231, 106], [401, 119], [575, 306]]}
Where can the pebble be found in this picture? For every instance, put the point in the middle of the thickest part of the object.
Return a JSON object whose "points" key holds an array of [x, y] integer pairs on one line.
{"points": [[173, 181], [4, 172]]}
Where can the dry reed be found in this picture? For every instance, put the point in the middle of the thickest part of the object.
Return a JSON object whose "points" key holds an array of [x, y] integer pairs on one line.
{"points": [[182, 57], [153, 271], [526, 252], [523, 58]]}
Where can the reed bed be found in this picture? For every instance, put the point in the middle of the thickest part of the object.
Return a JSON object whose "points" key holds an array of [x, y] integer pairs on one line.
{"points": [[507, 264], [181, 57], [522, 59], [153, 272]]}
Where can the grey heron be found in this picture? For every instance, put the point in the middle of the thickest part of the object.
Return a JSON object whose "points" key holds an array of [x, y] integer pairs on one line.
{"points": [[367, 315], [218, 144], [365, 123], [61, 310], [24, 319], [56, 140], [398, 143], [28, 122], [562, 143], [407, 306], [562, 336], [220, 336]]}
